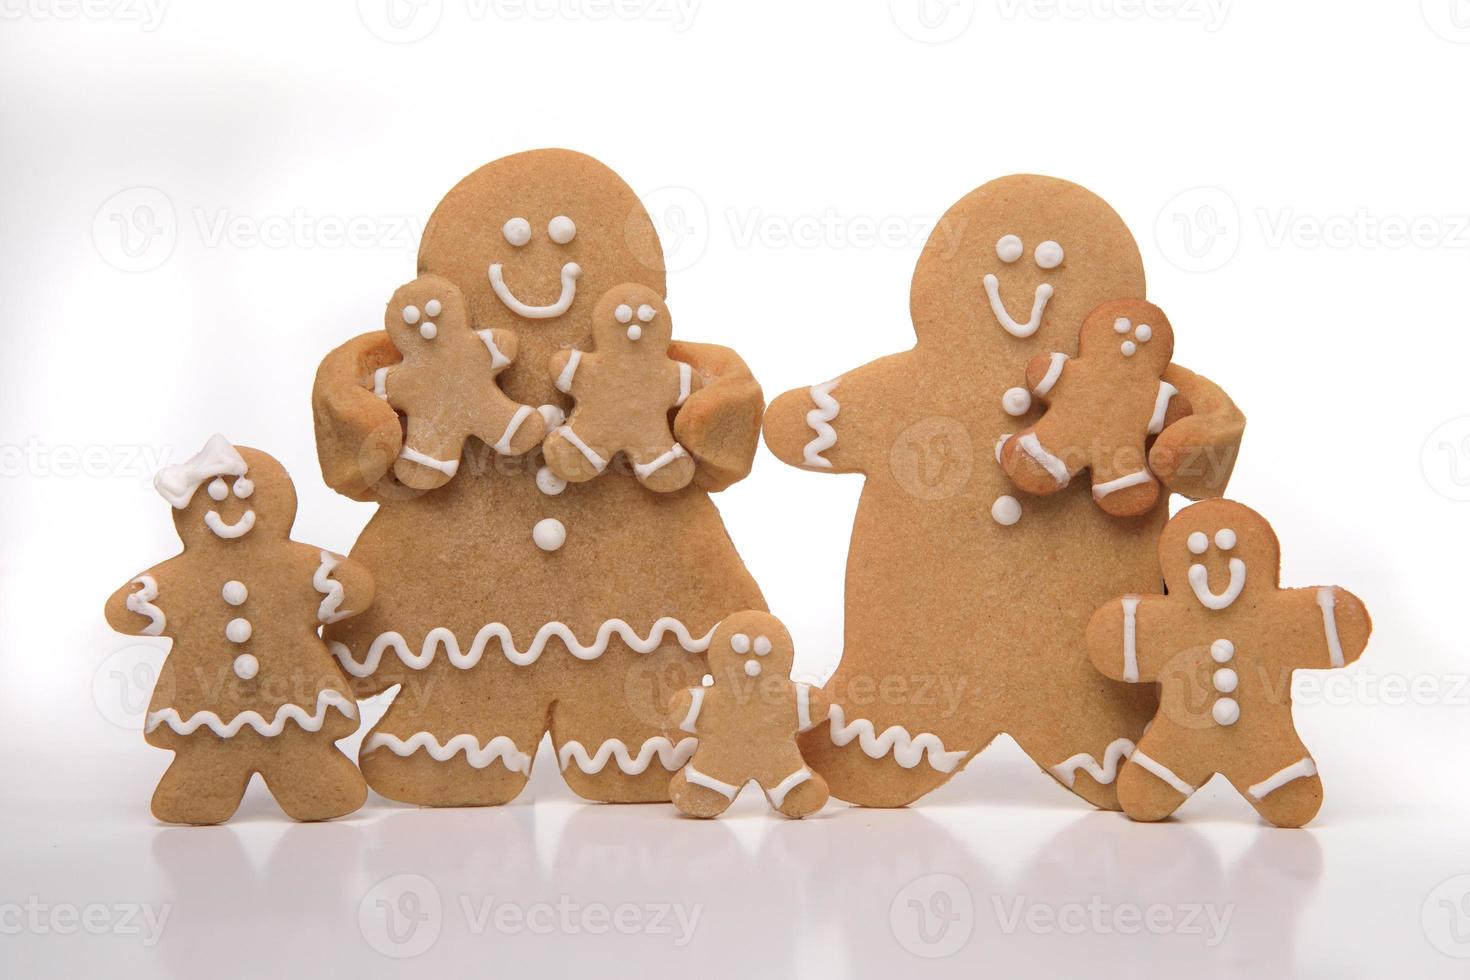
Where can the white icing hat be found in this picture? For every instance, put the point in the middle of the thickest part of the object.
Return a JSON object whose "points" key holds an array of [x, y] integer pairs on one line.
{"points": [[177, 483]]}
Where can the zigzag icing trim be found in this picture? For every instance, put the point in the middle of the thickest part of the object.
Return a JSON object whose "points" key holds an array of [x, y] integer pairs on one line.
{"points": [[141, 602], [671, 755], [443, 637], [819, 420], [286, 712], [331, 608], [500, 748], [907, 749], [1117, 750]]}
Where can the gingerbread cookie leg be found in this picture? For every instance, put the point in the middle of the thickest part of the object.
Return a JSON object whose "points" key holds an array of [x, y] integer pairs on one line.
{"points": [[1284, 788], [698, 794], [663, 469], [331, 786], [799, 794], [429, 457], [1121, 482], [573, 459], [883, 765], [202, 785], [1157, 780]]}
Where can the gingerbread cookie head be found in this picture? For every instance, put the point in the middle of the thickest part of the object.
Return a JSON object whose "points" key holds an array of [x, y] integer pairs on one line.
{"points": [[1021, 259], [418, 314], [225, 493], [1221, 552], [631, 318], [534, 239], [1133, 330], [751, 644]]}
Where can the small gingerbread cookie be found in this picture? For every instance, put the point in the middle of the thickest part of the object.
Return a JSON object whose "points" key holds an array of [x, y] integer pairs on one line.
{"points": [[623, 391], [747, 722], [1102, 406], [1222, 645], [248, 686], [446, 384]]}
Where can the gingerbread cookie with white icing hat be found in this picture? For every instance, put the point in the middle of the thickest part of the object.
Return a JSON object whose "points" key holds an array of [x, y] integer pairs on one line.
{"points": [[446, 386], [624, 390], [1222, 646], [248, 685], [1101, 408], [746, 723]]}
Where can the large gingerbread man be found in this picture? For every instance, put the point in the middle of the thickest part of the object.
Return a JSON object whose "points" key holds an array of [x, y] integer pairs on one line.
{"points": [[248, 686], [956, 628], [1222, 646], [1101, 408], [510, 601], [746, 722], [624, 390], [445, 384]]}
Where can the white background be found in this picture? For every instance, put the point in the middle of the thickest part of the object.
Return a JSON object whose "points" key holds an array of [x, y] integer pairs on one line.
{"points": [[177, 179]]}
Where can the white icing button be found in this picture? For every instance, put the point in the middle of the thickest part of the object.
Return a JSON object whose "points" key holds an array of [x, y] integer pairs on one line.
{"points": [[624, 313], [238, 630], [1016, 401], [740, 643], [1225, 680], [1144, 333], [1226, 711], [553, 415], [517, 231], [762, 646], [432, 308], [548, 482], [1225, 539], [645, 312], [708, 680], [561, 229], [218, 490], [1129, 348], [234, 592], [1121, 325], [752, 668], [1049, 255], [1009, 248], [410, 315], [1006, 510], [1198, 542], [549, 534], [634, 332], [1222, 651], [428, 331], [244, 488], [246, 666]]}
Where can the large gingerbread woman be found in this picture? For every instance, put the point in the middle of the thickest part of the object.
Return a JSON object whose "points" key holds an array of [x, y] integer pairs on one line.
{"points": [[248, 686], [1222, 646], [512, 603], [967, 607]]}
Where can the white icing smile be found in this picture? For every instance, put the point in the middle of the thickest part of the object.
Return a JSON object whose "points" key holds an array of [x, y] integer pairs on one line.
{"points": [[1199, 576], [240, 528], [569, 274], [1003, 316]]}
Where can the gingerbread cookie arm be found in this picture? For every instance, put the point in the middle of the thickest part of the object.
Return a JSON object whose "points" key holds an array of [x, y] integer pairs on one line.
{"points": [[840, 426], [346, 586], [1043, 372], [812, 707], [1196, 455], [719, 422], [1327, 626], [1128, 639], [134, 608], [357, 432], [684, 706]]}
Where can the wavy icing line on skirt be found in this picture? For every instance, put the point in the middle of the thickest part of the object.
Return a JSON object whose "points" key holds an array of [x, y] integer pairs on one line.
{"points": [[330, 610], [141, 602], [500, 748], [441, 636], [286, 712], [907, 749], [819, 420], [1117, 750], [671, 755]]}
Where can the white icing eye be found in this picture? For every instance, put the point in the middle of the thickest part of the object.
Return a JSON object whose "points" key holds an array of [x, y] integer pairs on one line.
{"points": [[217, 488], [432, 307], [244, 487], [1049, 255], [645, 313], [410, 315], [517, 231], [752, 668], [762, 646], [1198, 542], [428, 331], [1122, 325], [1144, 333], [635, 332], [1129, 348], [1222, 650], [1225, 539], [1009, 248], [624, 313], [740, 643], [561, 229]]}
